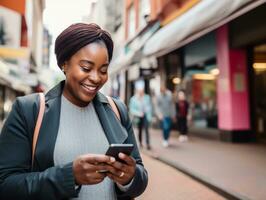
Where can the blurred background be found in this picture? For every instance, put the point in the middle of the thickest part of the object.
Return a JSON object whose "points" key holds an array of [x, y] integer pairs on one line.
{"points": [[214, 50]]}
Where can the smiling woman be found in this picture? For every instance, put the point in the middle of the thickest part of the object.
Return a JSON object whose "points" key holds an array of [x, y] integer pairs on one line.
{"points": [[86, 73], [77, 128], [84, 58]]}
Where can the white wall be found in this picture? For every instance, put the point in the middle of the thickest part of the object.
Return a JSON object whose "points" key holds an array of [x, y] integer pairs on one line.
{"points": [[11, 22]]}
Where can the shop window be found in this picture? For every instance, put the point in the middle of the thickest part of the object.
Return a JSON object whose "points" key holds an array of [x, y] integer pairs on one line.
{"points": [[201, 87]]}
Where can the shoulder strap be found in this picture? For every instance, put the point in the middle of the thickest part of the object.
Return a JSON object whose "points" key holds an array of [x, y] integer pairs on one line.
{"points": [[122, 111], [38, 125], [114, 108]]}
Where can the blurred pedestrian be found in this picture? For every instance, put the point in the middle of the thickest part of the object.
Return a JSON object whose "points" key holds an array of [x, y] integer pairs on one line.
{"points": [[182, 108], [165, 110], [77, 127], [140, 107]]}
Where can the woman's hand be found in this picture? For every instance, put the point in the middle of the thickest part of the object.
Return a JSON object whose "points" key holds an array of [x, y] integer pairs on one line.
{"points": [[122, 173], [87, 168]]}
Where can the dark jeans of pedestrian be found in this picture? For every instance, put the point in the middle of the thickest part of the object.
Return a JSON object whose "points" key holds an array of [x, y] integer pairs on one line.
{"points": [[182, 125], [166, 124], [143, 123]]}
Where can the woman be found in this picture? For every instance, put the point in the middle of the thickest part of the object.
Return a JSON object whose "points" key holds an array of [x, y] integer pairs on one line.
{"points": [[77, 128], [182, 109], [140, 109]]}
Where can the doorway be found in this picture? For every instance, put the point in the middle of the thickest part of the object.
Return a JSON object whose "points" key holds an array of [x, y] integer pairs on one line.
{"points": [[259, 68]]}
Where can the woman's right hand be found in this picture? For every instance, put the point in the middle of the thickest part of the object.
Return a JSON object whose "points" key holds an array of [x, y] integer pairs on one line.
{"points": [[86, 168]]}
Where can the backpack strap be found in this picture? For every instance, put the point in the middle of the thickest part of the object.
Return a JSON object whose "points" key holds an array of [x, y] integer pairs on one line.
{"points": [[38, 125], [114, 108], [122, 111]]}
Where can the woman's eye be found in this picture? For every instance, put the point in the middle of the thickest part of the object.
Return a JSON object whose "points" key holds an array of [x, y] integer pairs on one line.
{"points": [[85, 69], [104, 70]]}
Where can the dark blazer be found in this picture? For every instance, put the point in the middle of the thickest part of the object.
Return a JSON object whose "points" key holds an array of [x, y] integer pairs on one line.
{"points": [[46, 181]]}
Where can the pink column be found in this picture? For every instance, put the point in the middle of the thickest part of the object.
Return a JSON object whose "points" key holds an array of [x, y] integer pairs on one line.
{"points": [[232, 92]]}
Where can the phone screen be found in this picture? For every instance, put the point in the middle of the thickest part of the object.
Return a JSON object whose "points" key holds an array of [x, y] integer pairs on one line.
{"points": [[115, 149]]}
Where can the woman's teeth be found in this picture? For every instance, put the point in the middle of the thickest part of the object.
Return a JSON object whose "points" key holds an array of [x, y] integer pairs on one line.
{"points": [[90, 87]]}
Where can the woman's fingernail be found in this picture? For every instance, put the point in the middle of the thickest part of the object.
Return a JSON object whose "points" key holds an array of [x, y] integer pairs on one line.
{"points": [[112, 159]]}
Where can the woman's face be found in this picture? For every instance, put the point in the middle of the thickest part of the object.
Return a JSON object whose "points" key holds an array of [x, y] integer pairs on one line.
{"points": [[181, 95], [86, 72]]}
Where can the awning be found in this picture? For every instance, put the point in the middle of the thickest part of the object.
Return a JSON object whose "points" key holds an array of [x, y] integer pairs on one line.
{"points": [[10, 76], [201, 19], [120, 62], [135, 54]]}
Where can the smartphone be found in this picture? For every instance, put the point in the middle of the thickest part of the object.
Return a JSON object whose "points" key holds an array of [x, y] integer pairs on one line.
{"points": [[115, 149]]}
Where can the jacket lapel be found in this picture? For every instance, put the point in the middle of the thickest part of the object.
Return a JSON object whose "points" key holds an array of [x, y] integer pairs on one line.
{"points": [[49, 129], [112, 127]]}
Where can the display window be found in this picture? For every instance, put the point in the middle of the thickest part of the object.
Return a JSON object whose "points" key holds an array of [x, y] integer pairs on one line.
{"points": [[201, 87]]}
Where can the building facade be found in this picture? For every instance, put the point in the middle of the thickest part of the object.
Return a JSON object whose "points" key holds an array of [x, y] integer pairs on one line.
{"points": [[21, 33], [207, 48]]}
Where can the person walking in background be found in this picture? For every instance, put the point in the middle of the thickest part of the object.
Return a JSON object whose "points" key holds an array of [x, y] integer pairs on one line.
{"points": [[182, 108], [165, 111], [140, 108]]}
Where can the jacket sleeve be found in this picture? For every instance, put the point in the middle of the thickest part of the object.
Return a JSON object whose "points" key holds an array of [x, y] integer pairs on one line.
{"points": [[149, 108], [17, 181], [157, 106], [140, 180], [133, 108]]}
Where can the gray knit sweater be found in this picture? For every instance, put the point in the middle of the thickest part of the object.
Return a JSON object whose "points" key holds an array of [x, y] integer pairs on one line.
{"points": [[80, 132]]}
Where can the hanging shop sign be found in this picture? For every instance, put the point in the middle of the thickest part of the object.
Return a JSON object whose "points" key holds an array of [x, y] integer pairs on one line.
{"points": [[147, 72]]}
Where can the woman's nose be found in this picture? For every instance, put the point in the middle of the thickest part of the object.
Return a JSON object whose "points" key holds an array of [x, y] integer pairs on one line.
{"points": [[94, 77]]}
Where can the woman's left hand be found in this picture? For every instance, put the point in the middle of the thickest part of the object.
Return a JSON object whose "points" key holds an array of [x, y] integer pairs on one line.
{"points": [[122, 173]]}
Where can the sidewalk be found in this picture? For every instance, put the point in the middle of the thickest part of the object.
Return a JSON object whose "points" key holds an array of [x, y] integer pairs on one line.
{"points": [[237, 171], [168, 183]]}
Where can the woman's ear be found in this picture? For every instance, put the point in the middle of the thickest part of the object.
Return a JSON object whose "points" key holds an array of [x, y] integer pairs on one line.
{"points": [[64, 67]]}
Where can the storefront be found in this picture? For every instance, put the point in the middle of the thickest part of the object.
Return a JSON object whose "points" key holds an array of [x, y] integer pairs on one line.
{"points": [[212, 72], [248, 32], [7, 97], [12, 84], [200, 80], [217, 63], [170, 70]]}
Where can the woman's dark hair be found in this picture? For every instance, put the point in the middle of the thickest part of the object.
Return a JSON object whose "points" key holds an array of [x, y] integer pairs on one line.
{"points": [[77, 36]]}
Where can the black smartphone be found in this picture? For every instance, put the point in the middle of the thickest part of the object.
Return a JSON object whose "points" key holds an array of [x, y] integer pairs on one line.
{"points": [[115, 149]]}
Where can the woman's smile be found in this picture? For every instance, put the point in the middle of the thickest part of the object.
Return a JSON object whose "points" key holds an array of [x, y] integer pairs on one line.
{"points": [[89, 89], [86, 72]]}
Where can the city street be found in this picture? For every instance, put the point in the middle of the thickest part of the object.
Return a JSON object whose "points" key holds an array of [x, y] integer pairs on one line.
{"points": [[232, 169], [168, 183], [188, 75]]}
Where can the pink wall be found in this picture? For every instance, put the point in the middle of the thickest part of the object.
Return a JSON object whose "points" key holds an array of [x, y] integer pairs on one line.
{"points": [[232, 92]]}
